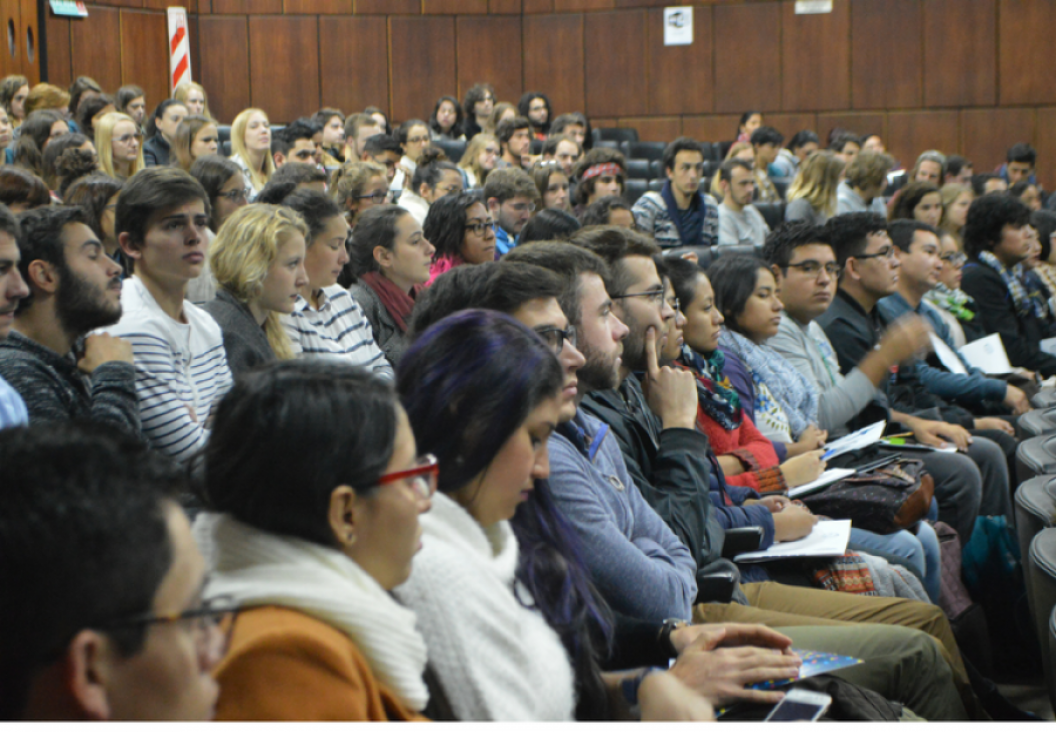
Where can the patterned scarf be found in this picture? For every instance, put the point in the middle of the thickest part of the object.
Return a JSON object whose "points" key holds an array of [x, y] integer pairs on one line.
{"points": [[717, 397], [952, 301], [1011, 278], [790, 389]]}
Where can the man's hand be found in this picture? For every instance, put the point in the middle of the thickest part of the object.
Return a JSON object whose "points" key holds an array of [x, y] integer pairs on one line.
{"points": [[721, 672], [938, 434], [774, 504], [100, 348], [795, 522], [664, 697], [1016, 400], [671, 393], [803, 468], [730, 635], [906, 337], [995, 423]]}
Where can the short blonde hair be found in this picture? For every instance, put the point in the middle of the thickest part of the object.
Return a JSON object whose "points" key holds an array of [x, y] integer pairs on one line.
{"points": [[104, 147], [244, 249], [816, 181], [238, 147], [183, 91], [950, 193]]}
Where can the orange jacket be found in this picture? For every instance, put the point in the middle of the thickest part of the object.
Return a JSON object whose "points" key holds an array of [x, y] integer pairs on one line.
{"points": [[286, 666]]}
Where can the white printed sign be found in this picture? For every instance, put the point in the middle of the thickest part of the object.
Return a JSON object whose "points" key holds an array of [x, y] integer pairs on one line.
{"points": [[678, 26]]}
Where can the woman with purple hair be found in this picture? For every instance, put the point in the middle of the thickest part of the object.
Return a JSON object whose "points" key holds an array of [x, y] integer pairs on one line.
{"points": [[513, 625]]}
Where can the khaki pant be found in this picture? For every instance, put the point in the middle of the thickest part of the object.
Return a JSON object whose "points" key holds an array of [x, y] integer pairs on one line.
{"points": [[899, 664]]}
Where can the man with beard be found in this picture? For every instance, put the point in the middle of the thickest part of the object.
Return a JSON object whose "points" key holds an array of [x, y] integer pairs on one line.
{"points": [[74, 288], [12, 290]]}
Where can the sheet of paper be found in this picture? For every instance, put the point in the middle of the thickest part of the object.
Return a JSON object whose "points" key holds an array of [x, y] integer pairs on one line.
{"points": [[856, 440], [829, 477], [987, 354], [678, 26], [1048, 345], [828, 539], [947, 356]]}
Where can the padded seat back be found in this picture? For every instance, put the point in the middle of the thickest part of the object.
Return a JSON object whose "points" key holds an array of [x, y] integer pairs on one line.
{"points": [[1036, 456], [616, 134], [633, 189], [1044, 399], [1037, 422], [453, 149], [1041, 565], [1050, 682], [657, 184], [646, 150], [639, 169], [774, 213], [1035, 511]]}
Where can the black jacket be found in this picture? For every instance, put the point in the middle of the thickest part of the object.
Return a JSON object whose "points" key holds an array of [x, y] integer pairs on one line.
{"points": [[156, 151], [670, 468], [1021, 334]]}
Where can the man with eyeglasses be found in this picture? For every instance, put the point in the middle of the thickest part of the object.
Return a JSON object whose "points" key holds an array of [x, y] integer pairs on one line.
{"points": [[510, 196], [917, 247], [102, 614], [870, 271]]}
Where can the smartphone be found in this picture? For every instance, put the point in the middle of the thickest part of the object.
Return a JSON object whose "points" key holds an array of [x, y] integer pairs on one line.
{"points": [[799, 706]]}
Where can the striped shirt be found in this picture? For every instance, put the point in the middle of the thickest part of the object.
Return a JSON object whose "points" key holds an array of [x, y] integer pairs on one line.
{"points": [[12, 409], [337, 329], [181, 369]]}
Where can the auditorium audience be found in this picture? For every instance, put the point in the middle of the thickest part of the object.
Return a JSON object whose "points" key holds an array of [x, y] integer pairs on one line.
{"points": [[480, 158], [20, 190], [433, 178], [357, 187], [12, 290], [740, 223], [196, 136], [251, 149], [161, 132], [766, 142], [333, 137], [131, 100], [918, 200], [515, 141], [564, 150], [863, 185], [812, 195], [600, 172], [446, 120], [413, 138], [358, 129], [552, 225], [612, 210], [192, 95], [478, 105], [13, 92], [119, 145], [956, 198], [788, 160], [509, 195], [552, 184], [96, 195]]}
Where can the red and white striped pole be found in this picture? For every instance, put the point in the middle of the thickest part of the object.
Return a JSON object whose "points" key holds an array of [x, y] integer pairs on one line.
{"points": [[179, 48]]}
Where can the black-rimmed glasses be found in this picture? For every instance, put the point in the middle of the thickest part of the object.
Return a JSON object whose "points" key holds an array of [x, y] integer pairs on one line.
{"points": [[656, 296], [377, 196], [555, 337], [813, 268], [480, 227], [213, 623], [237, 194], [887, 252]]}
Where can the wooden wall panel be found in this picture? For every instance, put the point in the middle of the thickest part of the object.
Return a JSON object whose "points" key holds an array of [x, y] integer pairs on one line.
{"points": [[787, 124], [862, 124], [886, 66], [1045, 143], [10, 13], [504, 6], [616, 69], [711, 128], [144, 53], [553, 45], [538, 6], [911, 133], [101, 61], [242, 7], [452, 7], [30, 47], [681, 78], [386, 7], [489, 49], [284, 66], [223, 43], [747, 57], [566, 6], [960, 51], [986, 134], [60, 65], [1026, 32], [322, 7], [815, 58], [654, 129], [361, 79], [413, 40]]}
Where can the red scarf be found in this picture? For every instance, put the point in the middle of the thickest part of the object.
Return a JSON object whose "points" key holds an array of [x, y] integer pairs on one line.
{"points": [[396, 301]]}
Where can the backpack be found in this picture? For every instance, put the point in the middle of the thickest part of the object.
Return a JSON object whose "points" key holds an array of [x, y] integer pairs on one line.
{"points": [[888, 499]]}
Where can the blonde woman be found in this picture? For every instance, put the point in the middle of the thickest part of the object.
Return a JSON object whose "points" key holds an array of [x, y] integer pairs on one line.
{"points": [[258, 261], [192, 95], [812, 195], [480, 158], [119, 144], [251, 146], [956, 198], [196, 136], [357, 187]]}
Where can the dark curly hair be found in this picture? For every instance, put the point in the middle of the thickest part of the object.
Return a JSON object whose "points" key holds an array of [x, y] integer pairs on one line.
{"points": [[987, 218]]}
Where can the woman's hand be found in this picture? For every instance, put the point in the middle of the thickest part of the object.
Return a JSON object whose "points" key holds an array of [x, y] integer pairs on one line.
{"points": [[793, 523], [811, 438], [663, 697], [804, 468]]}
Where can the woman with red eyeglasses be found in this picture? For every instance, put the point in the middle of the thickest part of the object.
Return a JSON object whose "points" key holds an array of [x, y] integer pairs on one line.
{"points": [[309, 527]]}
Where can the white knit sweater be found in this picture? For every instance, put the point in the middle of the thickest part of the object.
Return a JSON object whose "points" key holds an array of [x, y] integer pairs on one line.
{"points": [[496, 659]]}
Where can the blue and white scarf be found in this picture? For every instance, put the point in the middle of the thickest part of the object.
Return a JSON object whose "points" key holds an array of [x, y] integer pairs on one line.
{"points": [[1025, 305]]}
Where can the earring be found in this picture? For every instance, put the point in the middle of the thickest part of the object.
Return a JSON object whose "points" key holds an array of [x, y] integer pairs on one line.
{"points": [[351, 538]]}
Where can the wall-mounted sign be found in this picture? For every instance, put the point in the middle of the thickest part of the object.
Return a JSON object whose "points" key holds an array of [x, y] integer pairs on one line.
{"points": [[813, 7], [71, 8], [678, 26]]}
